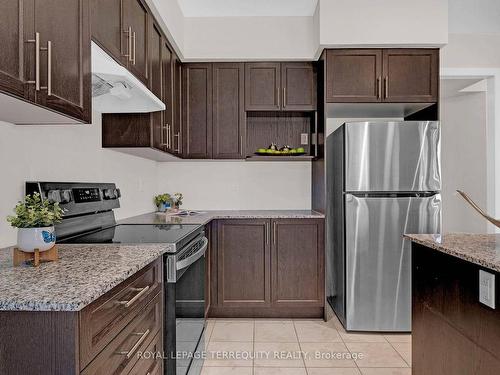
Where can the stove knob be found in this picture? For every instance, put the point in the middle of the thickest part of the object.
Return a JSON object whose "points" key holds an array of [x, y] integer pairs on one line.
{"points": [[65, 196], [108, 193], [54, 196]]}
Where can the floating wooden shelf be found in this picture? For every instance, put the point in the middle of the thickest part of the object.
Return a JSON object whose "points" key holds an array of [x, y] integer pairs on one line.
{"points": [[279, 158]]}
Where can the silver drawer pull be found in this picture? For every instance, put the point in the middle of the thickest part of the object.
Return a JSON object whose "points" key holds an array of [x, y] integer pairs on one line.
{"points": [[128, 354], [130, 302]]}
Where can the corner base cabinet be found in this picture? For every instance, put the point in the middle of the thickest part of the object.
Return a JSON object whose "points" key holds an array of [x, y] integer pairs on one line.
{"points": [[103, 338], [257, 263]]}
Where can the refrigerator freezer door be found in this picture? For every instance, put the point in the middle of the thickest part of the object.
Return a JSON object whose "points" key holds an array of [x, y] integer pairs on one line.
{"points": [[392, 156], [378, 259]]}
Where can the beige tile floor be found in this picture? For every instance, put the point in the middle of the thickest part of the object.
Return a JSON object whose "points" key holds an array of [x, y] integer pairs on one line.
{"points": [[301, 347]]}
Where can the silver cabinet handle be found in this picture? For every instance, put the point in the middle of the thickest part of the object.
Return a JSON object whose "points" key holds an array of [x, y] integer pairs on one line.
{"points": [[130, 302], [267, 233], [274, 233], [241, 145], [278, 94], [37, 61], [163, 128], [178, 135], [284, 97], [169, 138], [128, 55], [129, 353], [386, 87], [379, 88], [49, 67], [133, 44]]}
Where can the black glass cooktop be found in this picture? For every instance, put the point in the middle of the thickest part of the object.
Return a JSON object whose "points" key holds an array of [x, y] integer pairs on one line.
{"points": [[140, 233]]}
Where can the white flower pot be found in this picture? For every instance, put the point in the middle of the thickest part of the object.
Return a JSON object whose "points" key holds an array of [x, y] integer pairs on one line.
{"points": [[29, 239]]}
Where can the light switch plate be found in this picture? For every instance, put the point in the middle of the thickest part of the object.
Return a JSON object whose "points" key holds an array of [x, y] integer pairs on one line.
{"points": [[304, 139], [487, 288]]}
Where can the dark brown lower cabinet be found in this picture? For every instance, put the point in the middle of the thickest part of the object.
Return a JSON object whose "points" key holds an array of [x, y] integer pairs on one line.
{"points": [[268, 268], [93, 341], [452, 332]]}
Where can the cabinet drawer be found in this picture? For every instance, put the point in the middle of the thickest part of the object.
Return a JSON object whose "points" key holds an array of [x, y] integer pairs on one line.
{"points": [[102, 320], [151, 362], [121, 354]]}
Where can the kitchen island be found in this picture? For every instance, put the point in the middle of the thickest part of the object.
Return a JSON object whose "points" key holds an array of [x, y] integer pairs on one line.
{"points": [[453, 333]]}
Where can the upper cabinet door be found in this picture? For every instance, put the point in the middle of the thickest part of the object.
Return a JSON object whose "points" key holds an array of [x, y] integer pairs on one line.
{"points": [[156, 84], [12, 76], [228, 111], [262, 86], [411, 75], [353, 75], [135, 24], [298, 81], [107, 28], [197, 110], [64, 56], [176, 104]]}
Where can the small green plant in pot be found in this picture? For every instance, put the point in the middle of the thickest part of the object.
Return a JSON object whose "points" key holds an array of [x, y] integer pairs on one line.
{"points": [[163, 202], [35, 219], [177, 200]]}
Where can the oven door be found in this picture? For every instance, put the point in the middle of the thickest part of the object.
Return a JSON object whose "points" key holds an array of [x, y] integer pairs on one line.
{"points": [[185, 323]]}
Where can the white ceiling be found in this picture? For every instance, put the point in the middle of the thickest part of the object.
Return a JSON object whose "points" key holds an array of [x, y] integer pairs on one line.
{"points": [[247, 8]]}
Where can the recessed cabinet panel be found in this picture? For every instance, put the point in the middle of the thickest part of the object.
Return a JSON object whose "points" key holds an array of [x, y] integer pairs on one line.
{"points": [[11, 39], [177, 142], [297, 250], [353, 75], [167, 96], [197, 110], [64, 56], [299, 86], [411, 75], [228, 112], [243, 263], [107, 27], [262, 86], [156, 84]]}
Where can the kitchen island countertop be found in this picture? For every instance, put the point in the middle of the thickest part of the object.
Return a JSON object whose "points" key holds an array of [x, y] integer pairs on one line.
{"points": [[82, 274], [481, 249], [204, 217]]}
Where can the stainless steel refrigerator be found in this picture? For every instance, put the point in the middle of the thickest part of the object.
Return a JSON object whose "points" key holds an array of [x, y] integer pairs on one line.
{"points": [[383, 180]]}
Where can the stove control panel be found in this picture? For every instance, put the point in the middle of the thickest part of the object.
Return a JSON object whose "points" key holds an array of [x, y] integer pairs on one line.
{"points": [[82, 195]]}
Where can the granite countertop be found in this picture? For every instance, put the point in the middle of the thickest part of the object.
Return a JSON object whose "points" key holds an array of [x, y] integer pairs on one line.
{"points": [[481, 249], [205, 217], [82, 274]]}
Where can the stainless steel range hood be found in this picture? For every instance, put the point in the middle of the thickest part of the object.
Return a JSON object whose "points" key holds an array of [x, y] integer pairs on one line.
{"points": [[116, 90]]}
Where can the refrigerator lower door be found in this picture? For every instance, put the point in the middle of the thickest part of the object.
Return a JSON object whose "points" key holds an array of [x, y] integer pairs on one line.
{"points": [[392, 156], [378, 259]]}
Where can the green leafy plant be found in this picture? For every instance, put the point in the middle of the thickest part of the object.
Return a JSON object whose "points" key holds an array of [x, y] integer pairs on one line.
{"points": [[178, 197], [35, 213], [162, 198]]}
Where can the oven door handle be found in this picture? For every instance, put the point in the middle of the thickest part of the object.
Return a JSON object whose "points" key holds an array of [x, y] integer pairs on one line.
{"points": [[192, 258]]}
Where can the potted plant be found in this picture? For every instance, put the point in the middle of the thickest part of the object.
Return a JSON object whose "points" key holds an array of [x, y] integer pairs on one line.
{"points": [[35, 221], [177, 200], [163, 202]]}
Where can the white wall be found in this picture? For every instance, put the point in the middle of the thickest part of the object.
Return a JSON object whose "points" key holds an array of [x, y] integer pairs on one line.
{"points": [[383, 23], [168, 13], [68, 153], [238, 184], [249, 38], [464, 159]]}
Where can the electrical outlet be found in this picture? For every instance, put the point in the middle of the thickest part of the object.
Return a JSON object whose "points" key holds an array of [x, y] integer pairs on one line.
{"points": [[304, 139], [487, 288]]}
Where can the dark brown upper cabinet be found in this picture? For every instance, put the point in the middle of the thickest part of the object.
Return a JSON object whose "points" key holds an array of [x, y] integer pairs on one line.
{"points": [[40, 63], [297, 249], [243, 263], [176, 105], [411, 75], [262, 86], [382, 75], [280, 86], [228, 112], [156, 84], [299, 82], [167, 96], [353, 75], [12, 75], [197, 110], [135, 37], [107, 28]]}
